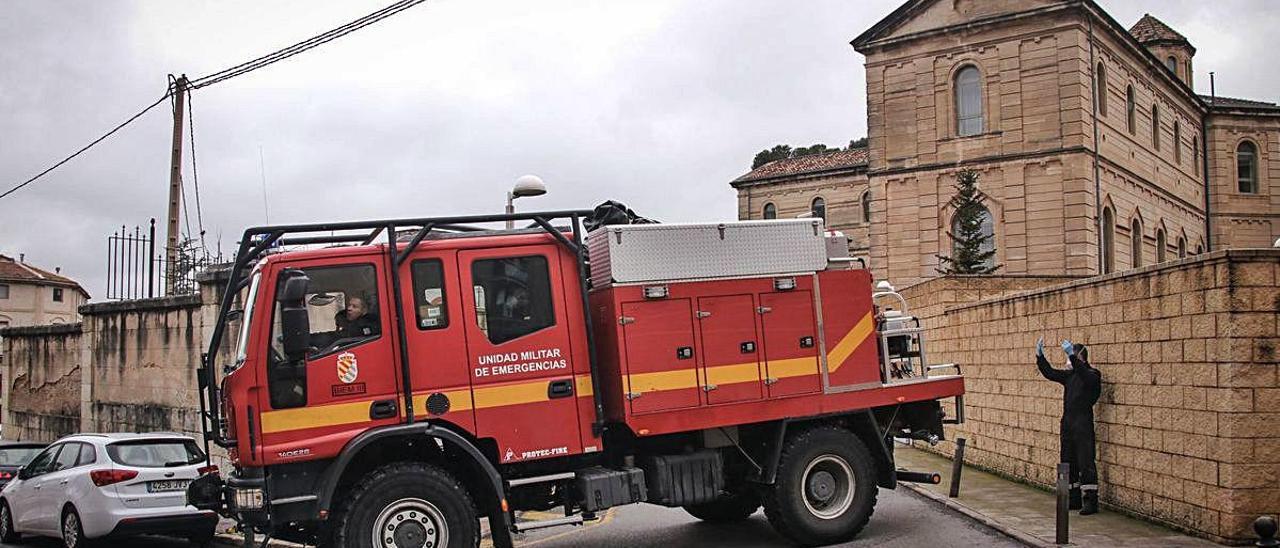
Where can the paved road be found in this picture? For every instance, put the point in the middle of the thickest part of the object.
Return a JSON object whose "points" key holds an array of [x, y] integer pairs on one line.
{"points": [[141, 542], [902, 520]]}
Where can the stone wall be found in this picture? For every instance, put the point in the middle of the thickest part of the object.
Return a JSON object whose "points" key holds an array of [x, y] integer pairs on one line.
{"points": [[42, 377], [1241, 219], [1187, 423]]}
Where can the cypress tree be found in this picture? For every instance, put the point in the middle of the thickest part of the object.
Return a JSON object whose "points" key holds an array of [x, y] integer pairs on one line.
{"points": [[968, 240]]}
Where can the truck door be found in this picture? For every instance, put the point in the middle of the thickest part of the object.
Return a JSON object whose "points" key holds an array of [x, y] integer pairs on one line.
{"points": [[730, 351], [434, 333], [790, 348], [518, 347], [349, 381]]}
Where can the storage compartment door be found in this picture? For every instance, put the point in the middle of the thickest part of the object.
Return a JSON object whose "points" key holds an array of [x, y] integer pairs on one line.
{"points": [[790, 343], [662, 372], [730, 349]]}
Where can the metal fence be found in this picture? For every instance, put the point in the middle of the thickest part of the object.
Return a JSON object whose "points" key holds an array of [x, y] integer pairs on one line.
{"points": [[137, 267]]}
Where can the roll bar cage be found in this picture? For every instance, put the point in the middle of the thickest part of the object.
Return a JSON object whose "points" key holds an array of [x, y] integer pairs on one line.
{"points": [[258, 240]]}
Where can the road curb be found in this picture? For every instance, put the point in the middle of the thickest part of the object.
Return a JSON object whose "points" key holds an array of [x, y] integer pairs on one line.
{"points": [[1006, 530]]}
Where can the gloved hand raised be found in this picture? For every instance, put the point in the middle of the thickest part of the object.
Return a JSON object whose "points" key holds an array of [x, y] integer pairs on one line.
{"points": [[1040, 347], [1068, 348]]}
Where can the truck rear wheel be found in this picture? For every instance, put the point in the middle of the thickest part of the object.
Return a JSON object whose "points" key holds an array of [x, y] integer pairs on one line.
{"points": [[825, 489], [407, 504], [731, 507]]}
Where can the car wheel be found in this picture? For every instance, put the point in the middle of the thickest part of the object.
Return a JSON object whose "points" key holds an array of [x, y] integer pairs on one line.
{"points": [[7, 534], [407, 504], [72, 530], [825, 490]]}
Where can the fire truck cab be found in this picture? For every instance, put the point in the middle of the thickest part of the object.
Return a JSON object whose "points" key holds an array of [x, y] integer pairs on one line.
{"points": [[390, 382]]}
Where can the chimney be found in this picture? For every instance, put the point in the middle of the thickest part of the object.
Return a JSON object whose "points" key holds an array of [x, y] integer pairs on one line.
{"points": [[57, 270], [22, 257]]}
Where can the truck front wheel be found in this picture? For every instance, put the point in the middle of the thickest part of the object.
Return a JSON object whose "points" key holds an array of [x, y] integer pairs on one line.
{"points": [[825, 489], [407, 504]]}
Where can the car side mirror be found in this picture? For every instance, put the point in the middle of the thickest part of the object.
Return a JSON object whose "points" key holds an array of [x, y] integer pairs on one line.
{"points": [[23, 473], [295, 325]]}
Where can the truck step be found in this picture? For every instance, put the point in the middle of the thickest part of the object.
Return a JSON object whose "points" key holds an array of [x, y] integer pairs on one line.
{"points": [[919, 477], [542, 479], [521, 527]]}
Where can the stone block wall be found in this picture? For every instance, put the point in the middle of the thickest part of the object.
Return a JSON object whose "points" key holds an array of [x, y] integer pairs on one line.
{"points": [[42, 376], [1188, 421]]}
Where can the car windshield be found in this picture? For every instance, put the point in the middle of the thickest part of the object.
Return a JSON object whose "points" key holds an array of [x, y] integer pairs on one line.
{"points": [[242, 339], [155, 453], [17, 456]]}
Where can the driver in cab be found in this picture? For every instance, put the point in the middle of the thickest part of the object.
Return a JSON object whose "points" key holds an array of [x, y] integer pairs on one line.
{"points": [[355, 321]]}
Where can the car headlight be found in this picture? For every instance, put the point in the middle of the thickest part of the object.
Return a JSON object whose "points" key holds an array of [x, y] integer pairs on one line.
{"points": [[249, 499]]}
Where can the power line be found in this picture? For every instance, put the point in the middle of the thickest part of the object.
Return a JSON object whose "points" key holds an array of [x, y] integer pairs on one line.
{"points": [[195, 174], [314, 41], [88, 146]]}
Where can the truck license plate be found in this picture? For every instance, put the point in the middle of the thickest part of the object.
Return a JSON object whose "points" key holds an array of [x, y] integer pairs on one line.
{"points": [[167, 485]]}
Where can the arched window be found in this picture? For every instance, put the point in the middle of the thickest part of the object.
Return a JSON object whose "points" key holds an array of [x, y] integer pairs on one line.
{"points": [[1177, 142], [770, 211], [1100, 89], [819, 208], [1155, 126], [866, 206], [1135, 242], [1172, 64], [1162, 246], [1182, 247], [1247, 167], [1199, 248], [987, 225], [1131, 109], [1108, 241], [968, 101]]}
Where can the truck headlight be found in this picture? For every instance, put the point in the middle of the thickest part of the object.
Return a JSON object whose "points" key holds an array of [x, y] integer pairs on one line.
{"points": [[249, 499]]}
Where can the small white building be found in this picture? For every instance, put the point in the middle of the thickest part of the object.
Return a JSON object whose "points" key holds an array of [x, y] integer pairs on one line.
{"points": [[34, 296]]}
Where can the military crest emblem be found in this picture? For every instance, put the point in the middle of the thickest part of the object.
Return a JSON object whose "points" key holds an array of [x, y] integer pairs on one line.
{"points": [[348, 368]]}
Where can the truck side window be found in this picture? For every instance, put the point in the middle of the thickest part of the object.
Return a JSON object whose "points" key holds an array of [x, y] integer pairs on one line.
{"points": [[428, 294], [513, 296]]}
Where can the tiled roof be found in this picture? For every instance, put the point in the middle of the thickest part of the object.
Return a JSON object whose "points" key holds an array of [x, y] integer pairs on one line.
{"points": [[1230, 102], [14, 271], [1150, 29], [813, 163]]}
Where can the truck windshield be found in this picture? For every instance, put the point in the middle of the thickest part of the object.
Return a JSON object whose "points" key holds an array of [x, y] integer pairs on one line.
{"points": [[246, 319]]}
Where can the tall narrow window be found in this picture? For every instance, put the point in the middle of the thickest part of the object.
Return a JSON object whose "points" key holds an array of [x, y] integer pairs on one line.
{"points": [[1135, 242], [1172, 64], [1155, 126], [987, 225], [1195, 154], [1177, 142], [866, 206], [968, 101], [770, 211], [4, 291], [1162, 246], [819, 208], [1182, 247], [1247, 167], [1131, 109], [1100, 89], [1108, 241]]}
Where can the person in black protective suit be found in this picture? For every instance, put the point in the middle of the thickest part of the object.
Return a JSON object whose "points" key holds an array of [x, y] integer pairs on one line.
{"points": [[1082, 385]]}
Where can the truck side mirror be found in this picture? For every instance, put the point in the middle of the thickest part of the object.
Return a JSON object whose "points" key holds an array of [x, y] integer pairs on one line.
{"points": [[295, 325]]}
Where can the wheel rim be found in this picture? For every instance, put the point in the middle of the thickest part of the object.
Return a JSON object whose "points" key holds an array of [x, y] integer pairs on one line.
{"points": [[71, 530], [410, 523], [828, 486]]}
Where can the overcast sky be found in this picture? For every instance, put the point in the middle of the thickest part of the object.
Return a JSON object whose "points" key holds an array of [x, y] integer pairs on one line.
{"points": [[658, 104]]}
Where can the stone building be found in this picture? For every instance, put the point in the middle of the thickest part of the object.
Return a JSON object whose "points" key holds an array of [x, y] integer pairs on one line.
{"points": [[1089, 140], [34, 296]]}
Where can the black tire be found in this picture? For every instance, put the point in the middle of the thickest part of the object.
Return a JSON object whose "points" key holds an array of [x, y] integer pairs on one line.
{"points": [[437, 505], [73, 530], [7, 534], [825, 491], [729, 508]]}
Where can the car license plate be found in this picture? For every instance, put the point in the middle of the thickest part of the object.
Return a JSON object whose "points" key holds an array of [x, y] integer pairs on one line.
{"points": [[167, 485]]}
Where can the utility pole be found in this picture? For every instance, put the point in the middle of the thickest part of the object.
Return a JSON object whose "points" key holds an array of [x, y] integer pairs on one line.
{"points": [[175, 183]]}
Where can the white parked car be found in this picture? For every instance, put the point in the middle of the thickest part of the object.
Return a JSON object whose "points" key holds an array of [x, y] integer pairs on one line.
{"points": [[92, 486]]}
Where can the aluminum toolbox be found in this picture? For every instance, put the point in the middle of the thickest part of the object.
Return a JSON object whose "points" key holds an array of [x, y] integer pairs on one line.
{"points": [[697, 251]]}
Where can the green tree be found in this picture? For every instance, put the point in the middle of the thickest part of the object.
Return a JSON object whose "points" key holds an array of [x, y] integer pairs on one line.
{"points": [[816, 148], [778, 152], [858, 143], [971, 249]]}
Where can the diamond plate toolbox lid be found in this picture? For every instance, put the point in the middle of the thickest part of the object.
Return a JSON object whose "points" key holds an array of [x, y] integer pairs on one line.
{"points": [[696, 251]]}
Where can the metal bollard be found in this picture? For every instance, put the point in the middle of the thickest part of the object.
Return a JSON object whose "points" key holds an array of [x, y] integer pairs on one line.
{"points": [[1061, 526], [957, 466], [1265, 527]]}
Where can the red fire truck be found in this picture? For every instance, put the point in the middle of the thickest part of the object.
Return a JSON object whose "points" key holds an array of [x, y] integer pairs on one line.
{"points": [[393, 381]]}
